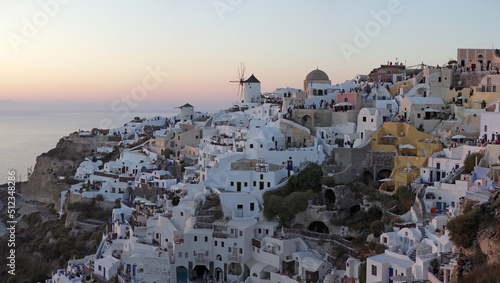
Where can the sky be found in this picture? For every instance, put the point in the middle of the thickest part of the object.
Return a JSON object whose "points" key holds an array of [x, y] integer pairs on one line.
{"points": [[158, 54]]}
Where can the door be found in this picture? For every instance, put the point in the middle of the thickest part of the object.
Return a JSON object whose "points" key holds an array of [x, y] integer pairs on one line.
{"points": [[439, 205], [261, 185], [391, 273], [238, 186], [430, 177]]}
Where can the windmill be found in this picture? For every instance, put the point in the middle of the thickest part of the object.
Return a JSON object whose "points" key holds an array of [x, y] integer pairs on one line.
{"points": [[240, 81]]}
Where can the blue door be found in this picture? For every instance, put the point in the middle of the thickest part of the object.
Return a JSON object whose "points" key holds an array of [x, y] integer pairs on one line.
{"points": [[104, 272], [439, 205], [391, 273]]}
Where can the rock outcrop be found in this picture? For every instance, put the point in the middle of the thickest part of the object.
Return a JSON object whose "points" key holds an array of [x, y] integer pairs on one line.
{"points": [[52, 168]]}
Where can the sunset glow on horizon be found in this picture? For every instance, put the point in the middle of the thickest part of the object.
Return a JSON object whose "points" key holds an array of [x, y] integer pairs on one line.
{"points": [[89, 51]]}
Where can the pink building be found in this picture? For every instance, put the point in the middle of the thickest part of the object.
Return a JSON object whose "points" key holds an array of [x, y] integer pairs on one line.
{"points": [[348, 100]]}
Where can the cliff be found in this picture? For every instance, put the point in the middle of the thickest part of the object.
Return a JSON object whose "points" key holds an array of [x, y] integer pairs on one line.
{"points": [[45, 184]]}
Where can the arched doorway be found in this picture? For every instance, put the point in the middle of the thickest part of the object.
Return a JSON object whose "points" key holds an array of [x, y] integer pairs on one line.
{"points": [[319, 227], [354, 209], [218, 274], [367, 177], [306, 120], [383, 174], [234, 269], [182, 274], [330, 196], [200, 273]]}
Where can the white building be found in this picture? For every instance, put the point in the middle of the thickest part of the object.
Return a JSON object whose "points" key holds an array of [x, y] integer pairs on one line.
{"points": [[252, 90], [382, 267]]}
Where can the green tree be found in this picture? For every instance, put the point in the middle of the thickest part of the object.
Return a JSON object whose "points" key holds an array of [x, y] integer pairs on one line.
{"points": [[308, 178], [463, 228]]}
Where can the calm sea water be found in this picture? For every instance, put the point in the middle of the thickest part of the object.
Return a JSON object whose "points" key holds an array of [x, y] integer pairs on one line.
{"points": [[24, 136]]}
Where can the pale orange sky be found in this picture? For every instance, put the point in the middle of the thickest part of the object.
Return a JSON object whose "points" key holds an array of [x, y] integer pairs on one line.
{"points": [[91, 51]]}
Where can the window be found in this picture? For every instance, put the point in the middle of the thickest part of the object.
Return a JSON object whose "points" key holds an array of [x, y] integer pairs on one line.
{"points": [[364, 119], [182, 213], [374, 270], [260, 231], [268, 184], [267, 231], [372, 120], [418, 115], [222, 244], [215, 244], [488, 81], [252, 206], [229, 249], [261, 146], [254, 183], [241, 233], [232, 184], [186, 255], [251, 145], [438, 165], [262, 176], [385, 240], [180, 254], [241, 251], [195, 238], [485, 128], [439, 79], [246, 184], [206, 239]]}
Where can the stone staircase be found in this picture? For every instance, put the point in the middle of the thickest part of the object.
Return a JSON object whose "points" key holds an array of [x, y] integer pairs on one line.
{"points": [[413, 255], [204, 215], [424, 233]]}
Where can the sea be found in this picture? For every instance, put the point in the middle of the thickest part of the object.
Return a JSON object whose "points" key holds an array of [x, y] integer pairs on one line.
{"points": [[26, 135]]}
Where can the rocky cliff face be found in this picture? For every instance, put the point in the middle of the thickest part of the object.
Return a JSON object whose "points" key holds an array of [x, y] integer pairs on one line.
{"points": [[45, 184]]}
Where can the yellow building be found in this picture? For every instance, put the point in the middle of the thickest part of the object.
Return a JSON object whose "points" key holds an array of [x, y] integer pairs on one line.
{"points": [[412, 148]]}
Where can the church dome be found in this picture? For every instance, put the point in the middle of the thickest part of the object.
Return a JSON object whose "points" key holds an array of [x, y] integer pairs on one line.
{"points": [[317, 75]]}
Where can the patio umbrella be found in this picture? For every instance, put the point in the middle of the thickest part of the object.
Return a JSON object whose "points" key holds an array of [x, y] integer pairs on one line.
{"points": [[386, 180], [431, 110], [398, 278], [458, 137], [408, 146]]}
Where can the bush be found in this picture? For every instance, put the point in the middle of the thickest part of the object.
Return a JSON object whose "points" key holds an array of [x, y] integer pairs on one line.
{"points": [[99, 197], [217, 213], [470, 161], [176, 200], [380, 249], [328, 181], [377, 228]]}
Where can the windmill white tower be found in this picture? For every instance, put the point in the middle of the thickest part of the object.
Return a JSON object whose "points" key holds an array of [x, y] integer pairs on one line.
{"points": [[252, 90]]}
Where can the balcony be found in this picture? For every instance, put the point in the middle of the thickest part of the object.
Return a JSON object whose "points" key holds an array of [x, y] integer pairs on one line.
{"points": [[234, 258]]}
